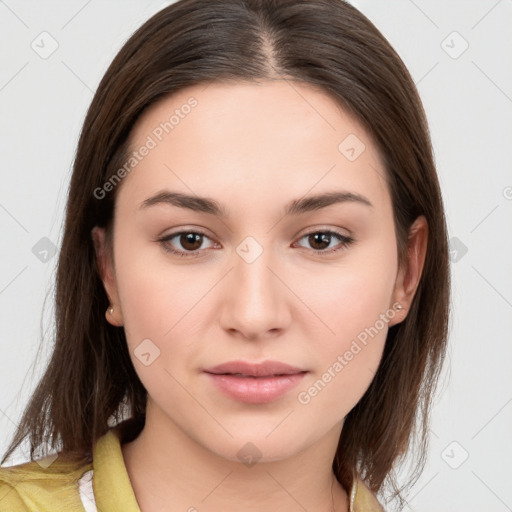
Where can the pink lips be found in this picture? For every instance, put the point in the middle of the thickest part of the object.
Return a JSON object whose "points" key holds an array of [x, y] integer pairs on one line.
{"points": [[255, 383]]}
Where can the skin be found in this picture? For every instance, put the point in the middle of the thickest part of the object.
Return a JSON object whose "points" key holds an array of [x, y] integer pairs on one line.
{"points": [[253, 148]]}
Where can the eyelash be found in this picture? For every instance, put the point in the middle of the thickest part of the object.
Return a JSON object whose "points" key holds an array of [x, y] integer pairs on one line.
{"points": [[164, 242]]}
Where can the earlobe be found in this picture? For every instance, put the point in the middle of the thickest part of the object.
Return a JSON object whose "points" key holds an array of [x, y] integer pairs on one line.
{"points": [[106, 272], [112, 317], [409, 275]]}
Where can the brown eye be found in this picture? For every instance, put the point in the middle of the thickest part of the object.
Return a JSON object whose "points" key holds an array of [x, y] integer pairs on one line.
{"points": [[184, 243], [190, 241], [320, 241]]}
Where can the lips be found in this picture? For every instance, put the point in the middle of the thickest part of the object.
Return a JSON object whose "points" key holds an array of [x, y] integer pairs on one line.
{"points": [[255, 383], [264, 369]]}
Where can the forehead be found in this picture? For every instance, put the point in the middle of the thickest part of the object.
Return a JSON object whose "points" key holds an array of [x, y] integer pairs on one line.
{"points": [[253, 140]]}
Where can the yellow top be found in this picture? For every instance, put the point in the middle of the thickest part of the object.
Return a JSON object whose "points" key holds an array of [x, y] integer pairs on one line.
{"points": [[59, 485]]}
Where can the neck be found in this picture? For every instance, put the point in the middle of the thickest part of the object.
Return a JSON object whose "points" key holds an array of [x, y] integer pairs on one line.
{"points": [[166, 466]]}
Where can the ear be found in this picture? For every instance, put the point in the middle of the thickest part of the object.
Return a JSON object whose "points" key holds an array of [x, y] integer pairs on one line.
{"points": [[408, 275], [105, 264]]}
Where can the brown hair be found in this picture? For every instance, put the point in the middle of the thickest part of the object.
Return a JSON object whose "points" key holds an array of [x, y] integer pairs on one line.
{"points": [[90, 380]]}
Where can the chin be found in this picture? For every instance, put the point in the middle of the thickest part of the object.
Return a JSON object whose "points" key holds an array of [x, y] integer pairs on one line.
{"points": [[250, 444]]}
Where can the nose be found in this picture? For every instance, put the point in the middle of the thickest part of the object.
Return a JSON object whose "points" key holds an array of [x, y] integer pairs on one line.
{"points": [[256, 301]]}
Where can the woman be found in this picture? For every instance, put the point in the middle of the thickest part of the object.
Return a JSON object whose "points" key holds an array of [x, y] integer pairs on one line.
{"points": [[253, 287]]}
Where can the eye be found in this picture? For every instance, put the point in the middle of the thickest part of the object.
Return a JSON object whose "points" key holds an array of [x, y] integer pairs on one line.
{"points": [[321, 240], [190, 241]]}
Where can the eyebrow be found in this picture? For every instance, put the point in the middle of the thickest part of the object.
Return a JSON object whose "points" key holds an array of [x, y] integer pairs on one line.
{"points": [[294, 207]]}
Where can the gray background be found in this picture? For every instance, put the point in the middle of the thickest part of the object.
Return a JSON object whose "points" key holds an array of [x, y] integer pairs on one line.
{"points": [[467, 93]]}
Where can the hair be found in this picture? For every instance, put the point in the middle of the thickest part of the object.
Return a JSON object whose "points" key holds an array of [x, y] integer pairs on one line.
{"points": [[90, 382]]}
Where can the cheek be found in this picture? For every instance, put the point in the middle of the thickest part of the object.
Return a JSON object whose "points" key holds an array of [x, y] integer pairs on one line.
{"points": [[160, 303], [349, 296], [155, 294], [347, 360], [354, 306]]}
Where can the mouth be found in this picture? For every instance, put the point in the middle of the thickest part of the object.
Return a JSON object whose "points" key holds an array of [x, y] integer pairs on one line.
{"points": [[256, 376], [246, 369], [255, 383]]}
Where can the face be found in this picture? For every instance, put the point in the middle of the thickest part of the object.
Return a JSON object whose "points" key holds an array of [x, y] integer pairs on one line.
{"points": [[266, 270]]}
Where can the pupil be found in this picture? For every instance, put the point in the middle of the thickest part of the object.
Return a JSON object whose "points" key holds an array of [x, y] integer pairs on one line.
{"points": [[321, 238], [193, 239]]}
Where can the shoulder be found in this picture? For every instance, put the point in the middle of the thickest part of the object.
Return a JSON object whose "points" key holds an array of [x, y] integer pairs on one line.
{"points": [[45, 484], [362, 499], [10, 500]]}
